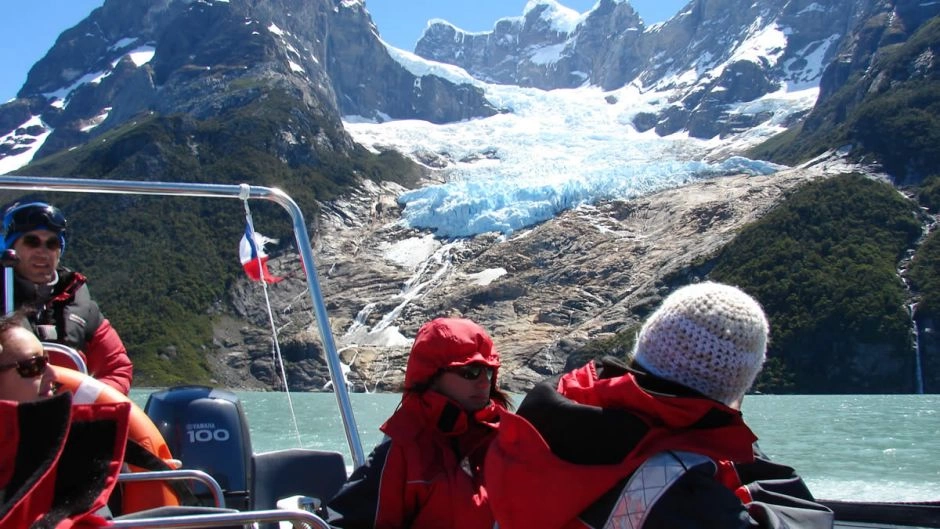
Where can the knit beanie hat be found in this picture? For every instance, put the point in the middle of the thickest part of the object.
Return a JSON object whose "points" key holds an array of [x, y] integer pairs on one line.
{"points": [[708, 337]]}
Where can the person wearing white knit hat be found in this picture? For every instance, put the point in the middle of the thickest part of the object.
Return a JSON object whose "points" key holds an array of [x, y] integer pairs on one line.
{"points": [[707, 336], [659, 443]]}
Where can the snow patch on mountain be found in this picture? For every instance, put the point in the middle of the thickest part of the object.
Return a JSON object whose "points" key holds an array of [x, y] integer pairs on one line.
{"points": [[139, 56], [806, 70], [764, 44], [25, 139], [560, 18]]}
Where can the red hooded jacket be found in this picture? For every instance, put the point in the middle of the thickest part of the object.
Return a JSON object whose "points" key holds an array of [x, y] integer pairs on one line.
{"points": [[415, 478], [427, 473]]}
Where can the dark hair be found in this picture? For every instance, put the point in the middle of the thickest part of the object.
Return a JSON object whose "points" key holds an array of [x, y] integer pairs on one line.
{"points": [[17, 318]]}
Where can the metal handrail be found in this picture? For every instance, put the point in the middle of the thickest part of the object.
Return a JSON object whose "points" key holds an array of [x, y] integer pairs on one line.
{"points": [[178, 475], [199, 521], [244, 191], [70, 352]]}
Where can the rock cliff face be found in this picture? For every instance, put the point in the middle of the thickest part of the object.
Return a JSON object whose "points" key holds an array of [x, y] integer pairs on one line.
{"points": [[543, 293], [884, 57]]}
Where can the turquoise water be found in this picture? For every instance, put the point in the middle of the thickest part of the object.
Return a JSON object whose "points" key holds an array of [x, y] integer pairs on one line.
{"points": [[853, 447]]}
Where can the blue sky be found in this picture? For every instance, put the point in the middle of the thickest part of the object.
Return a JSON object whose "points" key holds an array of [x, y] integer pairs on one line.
{"points": [[31, 28]]}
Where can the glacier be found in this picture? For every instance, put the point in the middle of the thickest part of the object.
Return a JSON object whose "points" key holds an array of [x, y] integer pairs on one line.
{"points": [[549, 151]]}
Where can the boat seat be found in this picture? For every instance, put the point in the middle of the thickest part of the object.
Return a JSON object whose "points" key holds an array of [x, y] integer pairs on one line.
{"points": [[294, 471]]}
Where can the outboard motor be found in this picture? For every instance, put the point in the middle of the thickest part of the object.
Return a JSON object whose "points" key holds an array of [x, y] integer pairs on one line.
{"points": [[205, 428]]}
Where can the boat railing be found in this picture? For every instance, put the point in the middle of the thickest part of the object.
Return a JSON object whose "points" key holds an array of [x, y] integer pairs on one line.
{"points": [[867, 514], [184, 474], [241, 192], [70, 353], [224, 519]]}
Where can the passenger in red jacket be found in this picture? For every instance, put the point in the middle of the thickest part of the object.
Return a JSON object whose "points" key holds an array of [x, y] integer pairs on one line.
{"points": [[660, 444], [426, 474], [58, 462], [65, 313]]}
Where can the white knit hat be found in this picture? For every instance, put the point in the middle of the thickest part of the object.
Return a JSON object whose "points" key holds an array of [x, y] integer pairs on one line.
{"points": [[707, 336]]}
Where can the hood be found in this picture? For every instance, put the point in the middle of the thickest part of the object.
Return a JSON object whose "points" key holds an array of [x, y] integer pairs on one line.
{"points": [[449, 342]]}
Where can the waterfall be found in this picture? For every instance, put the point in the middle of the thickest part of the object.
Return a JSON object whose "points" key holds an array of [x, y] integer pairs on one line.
{"points": [[427, 275], [437, 265], [361, 318], [918, 366]]}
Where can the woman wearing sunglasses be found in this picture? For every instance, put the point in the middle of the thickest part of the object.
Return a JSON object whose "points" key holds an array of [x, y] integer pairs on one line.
{"points": [[48, 445], [65, 313], [427, 472]]}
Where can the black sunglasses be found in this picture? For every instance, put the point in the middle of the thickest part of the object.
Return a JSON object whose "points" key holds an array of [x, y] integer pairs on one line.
{"points": [[33, 241], [30, 216], [29, 368], [472, 371]]}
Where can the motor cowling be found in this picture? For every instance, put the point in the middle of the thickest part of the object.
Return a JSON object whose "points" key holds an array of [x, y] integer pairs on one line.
{"points": [[206, 429]]}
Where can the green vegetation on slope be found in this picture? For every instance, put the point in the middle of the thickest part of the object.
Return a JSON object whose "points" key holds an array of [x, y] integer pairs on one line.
{"points": [[888, 112], [823, 264], [925, 273]]}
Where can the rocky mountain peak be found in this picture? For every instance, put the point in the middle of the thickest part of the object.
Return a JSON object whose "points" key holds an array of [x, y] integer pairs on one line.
{"points": [[202, 59], [712, 55], [278, 75]]}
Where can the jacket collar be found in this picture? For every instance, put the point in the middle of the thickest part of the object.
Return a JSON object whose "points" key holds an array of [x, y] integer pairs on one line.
{"points": [[66, 283], [431, 409]]}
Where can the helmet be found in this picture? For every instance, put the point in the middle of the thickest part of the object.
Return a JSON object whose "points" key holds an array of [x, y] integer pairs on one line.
{"points": [[21, 218]]}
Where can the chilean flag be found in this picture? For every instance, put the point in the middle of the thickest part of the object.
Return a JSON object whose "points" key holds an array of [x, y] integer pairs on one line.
{"points": [[250, 249]]}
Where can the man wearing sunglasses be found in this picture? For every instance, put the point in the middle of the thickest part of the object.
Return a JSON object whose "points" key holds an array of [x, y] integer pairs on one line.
{"points": [[65, 312], [427, 473]]}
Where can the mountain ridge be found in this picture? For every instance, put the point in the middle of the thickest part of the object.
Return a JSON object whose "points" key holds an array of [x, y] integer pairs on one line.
{"points": [[263, 91]]}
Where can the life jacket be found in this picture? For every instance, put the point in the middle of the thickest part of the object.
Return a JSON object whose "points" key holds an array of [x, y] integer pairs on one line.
{"points": [[59, 462], [531, 486], [66, 314], [146, 449]]}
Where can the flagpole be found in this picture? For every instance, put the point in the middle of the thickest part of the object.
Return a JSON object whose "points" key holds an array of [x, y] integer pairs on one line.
{"points": [[262, 277], [8, 260]]}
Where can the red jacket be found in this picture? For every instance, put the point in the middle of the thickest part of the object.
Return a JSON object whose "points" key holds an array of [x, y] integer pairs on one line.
{"points": [[625, 449], [530, 486], [414, 478], [107, 358], [58, 462]]}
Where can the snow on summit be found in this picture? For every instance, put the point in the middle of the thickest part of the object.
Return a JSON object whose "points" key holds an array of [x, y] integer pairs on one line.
{"points": [[561, 18]]}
